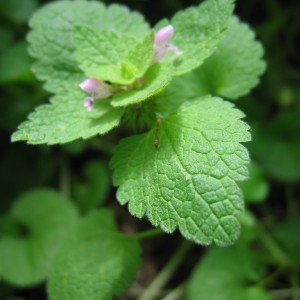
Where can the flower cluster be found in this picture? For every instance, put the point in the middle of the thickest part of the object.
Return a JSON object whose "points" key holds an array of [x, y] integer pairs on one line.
{"points": [[100, 90]]}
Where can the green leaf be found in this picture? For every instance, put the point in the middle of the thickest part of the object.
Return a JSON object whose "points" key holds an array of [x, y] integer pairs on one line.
{"points": [[231, 71], [277, 146], [51, 40], [198, 30], [140, 56], [96, 262], [47, 218], [65, 120], [109, 57], [234, 68], [255, 188], [189, 180], [8, 225], [93, 192], [18, 11], [227, 274], [156, 79], [287, 234], [6, 37], [15, 64]]}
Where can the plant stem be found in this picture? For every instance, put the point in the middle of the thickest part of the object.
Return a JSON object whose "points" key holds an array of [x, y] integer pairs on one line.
{"points": [[176, 293], [166, 273], [147, 233]]}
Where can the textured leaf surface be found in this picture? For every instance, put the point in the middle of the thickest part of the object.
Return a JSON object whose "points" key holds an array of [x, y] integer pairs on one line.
{"points": [[230, 72], [65, 120], [105, 55], [156, 79], [96, 262], [198, 30], [189, 181], [51, 40], [48, 218], [227, 274], [235, 67]]}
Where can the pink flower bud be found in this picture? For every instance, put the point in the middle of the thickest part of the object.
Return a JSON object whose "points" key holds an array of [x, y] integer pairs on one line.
{"points": [[163, 35], [161, 45], [96, 88]]}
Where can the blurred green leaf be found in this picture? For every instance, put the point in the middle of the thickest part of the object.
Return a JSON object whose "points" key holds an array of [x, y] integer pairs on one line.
{"points": [[276, 146], [227, 274], [76, 147], [15, 64], [8, 226], [287, 233], [94, 191], [249, 230], [46, 218], [255, 188], [96, 262], [6, 38], [18, 11]]}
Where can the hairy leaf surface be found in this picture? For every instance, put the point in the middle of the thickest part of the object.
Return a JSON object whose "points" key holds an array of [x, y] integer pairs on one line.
{"points": [[51, 38], [156, 79], [107, 56], [47, 218], [231, 71], [188, 182], [65, 120], [96, 262], [198, 30]]}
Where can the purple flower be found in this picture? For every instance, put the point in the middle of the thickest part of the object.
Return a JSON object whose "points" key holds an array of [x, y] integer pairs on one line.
{"points": [[89, 103], [97, 90], [161, 45]]}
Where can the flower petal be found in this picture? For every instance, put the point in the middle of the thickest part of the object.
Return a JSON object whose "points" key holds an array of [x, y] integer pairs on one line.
{"points": [[175, 49], [163, 35], [96, 88], [89, 103]]}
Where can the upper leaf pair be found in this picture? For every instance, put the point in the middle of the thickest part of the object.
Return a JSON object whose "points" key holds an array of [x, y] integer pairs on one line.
{"points": [[72, 44]]}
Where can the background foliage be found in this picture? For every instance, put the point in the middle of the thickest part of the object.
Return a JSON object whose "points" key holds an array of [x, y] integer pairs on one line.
{"points": [[269, 246]]}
